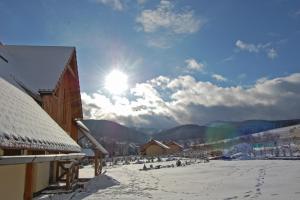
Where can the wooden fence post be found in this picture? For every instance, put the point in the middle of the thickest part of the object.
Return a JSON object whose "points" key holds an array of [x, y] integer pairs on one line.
{"points": [[97, 154], [28, 182]]}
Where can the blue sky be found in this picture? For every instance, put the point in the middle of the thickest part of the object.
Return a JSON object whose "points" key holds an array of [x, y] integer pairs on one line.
{"points": [[229, 44]]}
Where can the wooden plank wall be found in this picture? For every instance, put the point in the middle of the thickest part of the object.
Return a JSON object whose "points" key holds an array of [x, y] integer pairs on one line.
{"points": [[64, 104]]}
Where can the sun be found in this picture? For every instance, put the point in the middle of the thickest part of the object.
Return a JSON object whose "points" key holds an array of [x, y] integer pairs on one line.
{"points": [[116, 82]]}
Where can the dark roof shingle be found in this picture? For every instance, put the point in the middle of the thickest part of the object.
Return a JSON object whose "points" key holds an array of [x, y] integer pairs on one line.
{"points": [[37, 67]]}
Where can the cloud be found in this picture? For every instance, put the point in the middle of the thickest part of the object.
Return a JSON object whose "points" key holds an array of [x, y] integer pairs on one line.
{"points": [[165, 17], [193, 65], [247, 46], [219, 77], [164, 102], [272, 53], [256, 48], [294, 13], [160, 81], [115, 4], [229, 58]]}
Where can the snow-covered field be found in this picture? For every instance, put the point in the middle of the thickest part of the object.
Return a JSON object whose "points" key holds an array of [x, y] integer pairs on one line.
{"points": [[222, 180]]}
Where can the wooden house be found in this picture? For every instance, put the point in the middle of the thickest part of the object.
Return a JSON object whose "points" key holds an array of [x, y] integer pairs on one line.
{"points": [[154, 148], [30, 143], [49, 75], [174, 147]]}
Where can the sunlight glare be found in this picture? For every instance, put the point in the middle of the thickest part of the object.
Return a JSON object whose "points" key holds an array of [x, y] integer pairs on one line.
{"points": [[116, 82]]}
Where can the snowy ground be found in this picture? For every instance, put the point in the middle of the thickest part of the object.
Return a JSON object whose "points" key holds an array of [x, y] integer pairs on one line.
{"points": [[222, 180]]}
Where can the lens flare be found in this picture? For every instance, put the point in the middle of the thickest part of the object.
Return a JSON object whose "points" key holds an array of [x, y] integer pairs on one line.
{"points": [[116, 82]]}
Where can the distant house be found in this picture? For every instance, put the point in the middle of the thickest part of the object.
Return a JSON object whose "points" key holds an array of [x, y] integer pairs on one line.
{"points": [[154, 148], [116, 148], [49, 75], [133, 149], [174, 147]]}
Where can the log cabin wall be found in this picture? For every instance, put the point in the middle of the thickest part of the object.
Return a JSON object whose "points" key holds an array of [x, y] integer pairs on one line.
{"points": [[63, 104]]}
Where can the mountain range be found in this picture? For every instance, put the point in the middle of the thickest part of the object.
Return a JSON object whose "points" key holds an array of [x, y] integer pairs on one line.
{"points": [[220, 130], [105, 130]]}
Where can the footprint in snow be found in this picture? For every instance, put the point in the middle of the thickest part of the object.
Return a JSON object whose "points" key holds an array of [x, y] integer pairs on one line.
{"points": [[229, 198]]}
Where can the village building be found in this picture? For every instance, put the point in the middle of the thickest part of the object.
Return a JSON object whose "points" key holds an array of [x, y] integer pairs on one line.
{"points": [[48, 75], [174, 147], [31, 145], [154, 148]]}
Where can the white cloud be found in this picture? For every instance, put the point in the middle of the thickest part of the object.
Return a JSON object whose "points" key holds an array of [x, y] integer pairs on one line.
{"points": [[262, 80], [272, 53], [160, 81], [247, 46], [164, 102], [115, 4], [229, 58], [256, 48], [166, 17], [193, 65], [219, 77]]}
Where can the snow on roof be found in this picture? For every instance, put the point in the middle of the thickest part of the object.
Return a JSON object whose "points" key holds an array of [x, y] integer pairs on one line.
{"points": [[155, 142], [86, 132], [173, 143], [31, 64], [25, 125], [161, 144]]}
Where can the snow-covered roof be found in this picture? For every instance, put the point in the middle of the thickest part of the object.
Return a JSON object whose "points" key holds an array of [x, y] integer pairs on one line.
{"points": [[25, 125], [86, 132], [161, 144], [155, 142], [173, 143], [31, 64]]}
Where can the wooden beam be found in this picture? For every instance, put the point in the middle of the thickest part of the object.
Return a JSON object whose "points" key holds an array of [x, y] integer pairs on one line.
{"points": [[77, 172], [97, 162], [68, 179], [28, 188], [52, 172], [71, 71]]}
